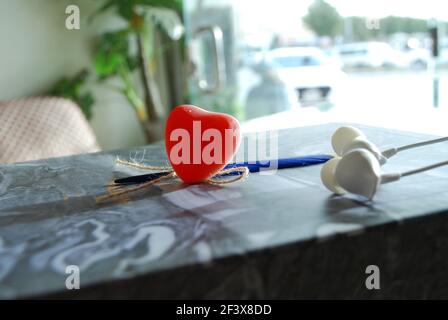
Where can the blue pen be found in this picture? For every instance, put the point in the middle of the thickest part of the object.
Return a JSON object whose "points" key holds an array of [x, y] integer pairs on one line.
{"points": [[283, 163]]}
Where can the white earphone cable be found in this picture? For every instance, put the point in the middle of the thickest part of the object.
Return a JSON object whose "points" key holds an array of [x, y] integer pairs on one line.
{"points": [[421, 144], [426, 168], [393, 151]]}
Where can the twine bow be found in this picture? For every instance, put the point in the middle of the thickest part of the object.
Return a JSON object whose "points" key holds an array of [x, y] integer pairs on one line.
{"points": [[218, 179]]}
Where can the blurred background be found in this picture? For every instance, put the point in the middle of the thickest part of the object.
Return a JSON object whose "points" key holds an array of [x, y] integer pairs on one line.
{"points": [[271, 64]]}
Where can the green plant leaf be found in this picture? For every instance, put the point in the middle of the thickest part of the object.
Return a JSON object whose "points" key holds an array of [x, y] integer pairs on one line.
{"points": [[125, 8], [132, 62], [107, 64], [111, 52], [116, 41], [85, 102], [74, 89]]}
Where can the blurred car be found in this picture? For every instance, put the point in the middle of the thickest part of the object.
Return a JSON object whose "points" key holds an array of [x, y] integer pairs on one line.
{"points": [[442, 60], [418, 58], [312, 74], [372, 55]]}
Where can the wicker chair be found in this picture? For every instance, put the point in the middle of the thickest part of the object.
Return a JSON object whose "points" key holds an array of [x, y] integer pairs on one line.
{"points": [[43, 127]]}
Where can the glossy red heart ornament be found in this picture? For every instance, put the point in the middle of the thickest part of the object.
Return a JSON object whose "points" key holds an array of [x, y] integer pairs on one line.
{"points": [[199, 143]]}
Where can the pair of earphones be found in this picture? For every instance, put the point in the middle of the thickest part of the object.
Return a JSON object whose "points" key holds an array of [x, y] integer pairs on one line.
{"points": [[357, 167]]}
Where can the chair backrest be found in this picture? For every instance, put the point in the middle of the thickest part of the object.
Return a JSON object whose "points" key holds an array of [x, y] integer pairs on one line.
{"points": [[43, 127]]}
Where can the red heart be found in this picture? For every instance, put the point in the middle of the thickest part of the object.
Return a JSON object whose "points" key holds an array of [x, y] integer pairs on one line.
{"points": [[199, 143]]}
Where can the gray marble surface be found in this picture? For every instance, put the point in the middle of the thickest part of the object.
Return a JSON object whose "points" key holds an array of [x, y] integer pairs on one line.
{"points": [[49, 219]]}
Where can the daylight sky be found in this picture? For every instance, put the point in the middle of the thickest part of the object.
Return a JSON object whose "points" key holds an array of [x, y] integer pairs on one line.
{"points": [[374, 8], [261, 16], [379, 8]]}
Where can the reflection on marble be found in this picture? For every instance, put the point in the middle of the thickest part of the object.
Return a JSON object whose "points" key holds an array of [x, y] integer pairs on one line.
{"points": [[258, 238], [9, 256], [330, 229], [159, 239]]}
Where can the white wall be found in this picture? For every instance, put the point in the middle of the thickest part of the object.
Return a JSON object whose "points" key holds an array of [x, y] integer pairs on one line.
{"points": [[36, 49]]}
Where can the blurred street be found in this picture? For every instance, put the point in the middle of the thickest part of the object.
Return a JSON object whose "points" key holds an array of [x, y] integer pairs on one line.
{"points": [[382, 91], [392, 99]]}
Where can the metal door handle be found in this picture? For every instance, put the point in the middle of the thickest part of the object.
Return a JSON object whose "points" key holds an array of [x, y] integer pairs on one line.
{"points": [[220, 64]]}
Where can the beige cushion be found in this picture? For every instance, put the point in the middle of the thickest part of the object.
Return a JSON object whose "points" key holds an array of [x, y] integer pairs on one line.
{"points": [[43, 127]]}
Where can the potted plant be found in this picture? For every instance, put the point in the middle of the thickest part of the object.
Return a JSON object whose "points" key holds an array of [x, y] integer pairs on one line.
{"points": [[116, 56]]}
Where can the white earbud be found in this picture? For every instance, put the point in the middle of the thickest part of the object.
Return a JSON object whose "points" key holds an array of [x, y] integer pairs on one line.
{"points": [[343, 136], [328, 176], [348, 138], [363, 143], [357, 168], [359, 172]]}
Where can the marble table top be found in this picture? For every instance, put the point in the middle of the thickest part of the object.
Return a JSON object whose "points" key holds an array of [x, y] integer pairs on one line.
{"points": [[49, 218]]}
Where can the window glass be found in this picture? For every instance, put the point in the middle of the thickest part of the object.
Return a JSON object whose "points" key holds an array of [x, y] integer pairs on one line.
{"points": [[333, 60]]}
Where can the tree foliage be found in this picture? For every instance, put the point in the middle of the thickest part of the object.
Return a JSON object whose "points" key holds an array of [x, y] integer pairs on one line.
{"points": [[391, 25], [323, 19]]}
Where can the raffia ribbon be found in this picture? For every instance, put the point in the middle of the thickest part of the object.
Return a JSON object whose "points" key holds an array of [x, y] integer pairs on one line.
{"points": [[119, 190]]}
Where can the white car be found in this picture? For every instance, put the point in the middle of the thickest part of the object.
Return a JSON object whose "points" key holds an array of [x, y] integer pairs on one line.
{"points": [[312, 74], [372, 55], [442, 60], [418, 58]]}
